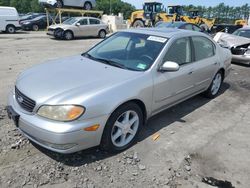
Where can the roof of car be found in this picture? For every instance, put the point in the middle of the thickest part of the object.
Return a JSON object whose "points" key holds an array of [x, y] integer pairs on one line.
{"points": [[164, 32], [86, 17]]}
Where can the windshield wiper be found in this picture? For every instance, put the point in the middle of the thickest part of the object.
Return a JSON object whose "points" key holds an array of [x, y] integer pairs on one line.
{"points": [[106, 61]]}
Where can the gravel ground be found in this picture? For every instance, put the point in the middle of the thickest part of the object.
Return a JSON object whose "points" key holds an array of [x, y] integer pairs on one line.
{"points": [[198, 143]]}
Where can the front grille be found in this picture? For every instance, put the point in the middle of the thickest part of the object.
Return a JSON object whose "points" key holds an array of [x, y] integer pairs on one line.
{"points": [[25, 102]]}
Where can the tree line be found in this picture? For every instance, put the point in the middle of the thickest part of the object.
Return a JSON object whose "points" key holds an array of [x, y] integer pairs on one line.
{"points": [[223, 13]]}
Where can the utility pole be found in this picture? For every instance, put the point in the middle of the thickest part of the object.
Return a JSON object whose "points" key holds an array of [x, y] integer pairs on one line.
{"points": [[110, 8]]}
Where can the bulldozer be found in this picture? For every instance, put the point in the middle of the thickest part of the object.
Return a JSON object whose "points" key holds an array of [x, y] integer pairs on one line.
{"points": [[154, 12]]}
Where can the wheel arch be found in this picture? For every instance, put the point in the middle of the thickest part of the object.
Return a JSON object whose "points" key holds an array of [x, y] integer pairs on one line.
{"points": [[8, 25], [222, 70], [140, 103], [68, 30], [137, 20]]}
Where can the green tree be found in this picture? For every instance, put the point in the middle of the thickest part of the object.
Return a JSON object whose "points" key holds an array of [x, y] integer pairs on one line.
{"points": [[117, 6]]}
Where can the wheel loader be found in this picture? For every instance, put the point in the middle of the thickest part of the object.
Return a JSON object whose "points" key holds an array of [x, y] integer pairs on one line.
{"points": [[154, 12]]}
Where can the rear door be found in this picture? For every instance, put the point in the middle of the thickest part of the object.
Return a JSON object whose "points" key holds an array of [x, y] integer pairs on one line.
{"points": [[95, 26], [206, 63]]}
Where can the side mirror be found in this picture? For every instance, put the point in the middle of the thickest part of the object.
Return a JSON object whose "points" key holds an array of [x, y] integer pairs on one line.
{"points": [[77, 24], [169, 66]]}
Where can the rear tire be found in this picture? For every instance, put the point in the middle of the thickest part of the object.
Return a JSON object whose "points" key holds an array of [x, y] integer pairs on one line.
{"points": [[68, 35], [204, 27], [215, 86], [122, 128], [10, 29], [102, 34], [87, 6], [138, 24]]}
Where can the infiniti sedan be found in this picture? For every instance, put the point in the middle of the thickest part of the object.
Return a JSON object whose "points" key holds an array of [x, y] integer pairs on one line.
{"points": [[105, 95]]}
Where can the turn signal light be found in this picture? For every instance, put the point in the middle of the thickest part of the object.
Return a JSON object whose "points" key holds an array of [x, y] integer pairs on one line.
{"points": [[92, 128]]}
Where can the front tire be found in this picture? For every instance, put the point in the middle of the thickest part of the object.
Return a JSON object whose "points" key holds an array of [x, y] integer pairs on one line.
{"points": [[35, 27], [10, 29], [68, 35], [215, 86], [122, 128], [138, 24]]}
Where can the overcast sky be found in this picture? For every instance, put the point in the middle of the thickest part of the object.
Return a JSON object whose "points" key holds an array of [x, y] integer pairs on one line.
{"points": [[138, 3]]}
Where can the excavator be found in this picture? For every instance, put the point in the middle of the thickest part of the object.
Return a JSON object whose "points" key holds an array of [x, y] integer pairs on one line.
{"points": [[154, 12]]}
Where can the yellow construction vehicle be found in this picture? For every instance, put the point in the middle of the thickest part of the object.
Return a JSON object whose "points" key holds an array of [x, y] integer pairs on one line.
{"points": [[241, 22], [154, 12], [195, 18]]}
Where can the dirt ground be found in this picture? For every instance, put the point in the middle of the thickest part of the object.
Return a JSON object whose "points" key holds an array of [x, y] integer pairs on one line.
{"points": [[202, 143]]}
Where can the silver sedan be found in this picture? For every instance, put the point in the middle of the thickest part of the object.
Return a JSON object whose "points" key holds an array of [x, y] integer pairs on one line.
{"points": [[104, 96], [79, 27]]}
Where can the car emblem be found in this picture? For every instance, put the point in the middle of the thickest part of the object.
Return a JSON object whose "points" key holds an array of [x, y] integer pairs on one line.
{"points": [[20, 99]]}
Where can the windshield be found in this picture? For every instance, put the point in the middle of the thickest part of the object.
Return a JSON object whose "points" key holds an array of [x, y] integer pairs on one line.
{"points": [[70, 21], [242, 33], [126, 50], [169, 24], [39, 17]]}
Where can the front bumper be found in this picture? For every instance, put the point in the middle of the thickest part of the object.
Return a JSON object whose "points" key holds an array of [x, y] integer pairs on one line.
{"points": [[245, 59], [61, 137], [26, 27]]}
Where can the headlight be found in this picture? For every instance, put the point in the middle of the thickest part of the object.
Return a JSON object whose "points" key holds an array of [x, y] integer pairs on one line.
{"points": [[61, 112], [26, 23]]}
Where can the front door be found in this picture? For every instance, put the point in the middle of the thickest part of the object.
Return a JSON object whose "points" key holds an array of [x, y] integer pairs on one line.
{"points": [[171, 87]]}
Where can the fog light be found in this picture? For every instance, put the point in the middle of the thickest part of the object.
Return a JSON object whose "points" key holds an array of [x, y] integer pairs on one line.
{"points": [[58, 146]]}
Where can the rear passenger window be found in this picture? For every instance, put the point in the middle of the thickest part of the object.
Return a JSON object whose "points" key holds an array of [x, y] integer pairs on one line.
{"points": [[179, 52], [93, 21], [203, 48]]}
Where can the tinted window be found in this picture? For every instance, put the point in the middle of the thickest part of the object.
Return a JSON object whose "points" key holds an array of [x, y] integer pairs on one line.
{"points": [[179, 52], [187, 27], [93, 21], [195, 28], [83, 22], [204, 48]]}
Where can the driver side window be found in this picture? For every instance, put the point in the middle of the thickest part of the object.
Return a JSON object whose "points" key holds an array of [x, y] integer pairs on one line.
{"points": [[179, 52]]}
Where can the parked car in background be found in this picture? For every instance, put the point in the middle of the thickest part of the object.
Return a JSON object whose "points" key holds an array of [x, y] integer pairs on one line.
{"points": [[85, 4], [30, 16], [79, 27], [104, 96], [9, 19], [243, 32], [239, 45], [179, 25], [39, 22]]}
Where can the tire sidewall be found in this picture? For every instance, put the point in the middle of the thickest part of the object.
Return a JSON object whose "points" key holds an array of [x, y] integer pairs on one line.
{"points": [[209, 93], [106, 142], [9, 27], [72, 36], [100, 34], [35, 27], [87, 4]]}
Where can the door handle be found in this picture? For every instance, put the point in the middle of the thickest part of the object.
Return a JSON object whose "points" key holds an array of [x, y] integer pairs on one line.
{"points": [[216, 63], [190, 72]]}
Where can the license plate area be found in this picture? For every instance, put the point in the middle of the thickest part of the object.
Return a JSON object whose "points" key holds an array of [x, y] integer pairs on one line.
{"points": [[13, 115]]}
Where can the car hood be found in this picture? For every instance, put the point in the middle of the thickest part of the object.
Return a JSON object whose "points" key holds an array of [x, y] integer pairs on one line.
{"points": [[59, 26], [66, 78], [229, 40]]}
